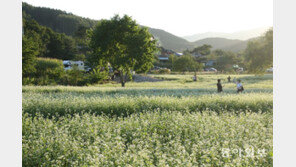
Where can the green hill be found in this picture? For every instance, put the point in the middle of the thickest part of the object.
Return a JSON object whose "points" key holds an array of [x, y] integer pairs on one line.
{"points": [[58, 20], [223, 43], [170, 41]]}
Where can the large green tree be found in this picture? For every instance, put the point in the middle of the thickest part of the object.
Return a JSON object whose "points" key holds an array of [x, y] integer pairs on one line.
{"points": [[186, 63], [225, 60], [259, 53], [123, 44]]}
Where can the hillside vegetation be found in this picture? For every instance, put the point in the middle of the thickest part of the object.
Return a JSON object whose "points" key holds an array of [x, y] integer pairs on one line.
{"points": [[68, 23]]}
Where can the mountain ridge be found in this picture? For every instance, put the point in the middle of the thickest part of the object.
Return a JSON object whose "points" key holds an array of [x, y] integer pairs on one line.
{"points": [[241, 35]]}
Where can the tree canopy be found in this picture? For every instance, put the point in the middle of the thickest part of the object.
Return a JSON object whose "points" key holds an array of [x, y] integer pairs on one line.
{"points": [[123, 44], [259, 53], [203, 50], [49, 43], [186, 63]]}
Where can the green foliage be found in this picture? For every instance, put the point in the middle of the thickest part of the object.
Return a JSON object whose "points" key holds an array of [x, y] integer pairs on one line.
{"points": [[161, 71], [186, 63], [61, 47], [29, 53], [203, 50], [226, 60], [164, 71], [49, 43], [97, 76], [79, 57], [74, 77], [259, 53], [172, 59], [57, 20], [123, 44], [48, 71]]}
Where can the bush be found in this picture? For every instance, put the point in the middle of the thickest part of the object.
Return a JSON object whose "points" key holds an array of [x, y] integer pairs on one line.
{"points": [[164, 71], [161, 71], [28, 81], [96, 76], [74, 77], [48, 71]]}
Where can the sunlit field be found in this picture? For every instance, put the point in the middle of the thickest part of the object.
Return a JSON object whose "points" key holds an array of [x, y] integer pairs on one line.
{"points": [[174, 122]]}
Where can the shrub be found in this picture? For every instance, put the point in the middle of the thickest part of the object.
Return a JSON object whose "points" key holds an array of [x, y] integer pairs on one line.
{"points": [[97, 76], [74, 77], [161, 71], [48, 71], [164, 71]]}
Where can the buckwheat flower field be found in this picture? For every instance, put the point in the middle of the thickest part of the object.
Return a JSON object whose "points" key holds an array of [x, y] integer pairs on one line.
{"points": [[175, 122]]}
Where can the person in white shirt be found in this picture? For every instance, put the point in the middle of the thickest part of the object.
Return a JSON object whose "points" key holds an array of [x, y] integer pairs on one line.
{"points": [[239, 86]]}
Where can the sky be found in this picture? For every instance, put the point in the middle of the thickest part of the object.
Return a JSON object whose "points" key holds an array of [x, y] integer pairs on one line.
{"points": [[181, 18]]}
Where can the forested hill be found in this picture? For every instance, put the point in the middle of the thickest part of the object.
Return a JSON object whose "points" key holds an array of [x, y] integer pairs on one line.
{"points": [[223, 43], [170, 41], [68, 23], [57, 20]]}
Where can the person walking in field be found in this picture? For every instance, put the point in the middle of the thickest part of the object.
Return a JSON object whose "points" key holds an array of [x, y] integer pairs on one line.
{"points": [[194, 78], [219, 86], [229, 78], [239, 86]]}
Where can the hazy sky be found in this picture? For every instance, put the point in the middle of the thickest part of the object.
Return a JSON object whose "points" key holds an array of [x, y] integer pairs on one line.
{"points": [[182, 17]]}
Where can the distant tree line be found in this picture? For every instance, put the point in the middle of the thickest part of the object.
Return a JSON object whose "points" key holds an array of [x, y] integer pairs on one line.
{"points": [[256, 58]]}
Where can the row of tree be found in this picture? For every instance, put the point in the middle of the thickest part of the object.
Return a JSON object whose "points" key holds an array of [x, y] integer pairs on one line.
{"points": [[257, 57], [125, 46], [120, 43]]}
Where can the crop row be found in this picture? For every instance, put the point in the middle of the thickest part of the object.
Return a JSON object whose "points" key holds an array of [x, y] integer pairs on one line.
{"points": [[56, 104]]}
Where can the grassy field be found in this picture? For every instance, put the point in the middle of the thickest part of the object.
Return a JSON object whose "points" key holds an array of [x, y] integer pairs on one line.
{"points": [[175, 122]]}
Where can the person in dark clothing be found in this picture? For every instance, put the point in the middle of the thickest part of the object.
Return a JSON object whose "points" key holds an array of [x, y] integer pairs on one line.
{"points": [[229, 78], [219, 86]]}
